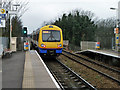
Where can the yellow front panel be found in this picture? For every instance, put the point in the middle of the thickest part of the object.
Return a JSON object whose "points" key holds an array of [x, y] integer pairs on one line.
{"points": [[52, 44]]}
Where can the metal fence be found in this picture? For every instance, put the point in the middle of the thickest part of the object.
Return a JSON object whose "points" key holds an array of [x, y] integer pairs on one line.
{"points": [[87, 45]]}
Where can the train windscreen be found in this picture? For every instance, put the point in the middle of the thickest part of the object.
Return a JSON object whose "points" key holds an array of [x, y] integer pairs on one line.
{"points": [[51, 36]]}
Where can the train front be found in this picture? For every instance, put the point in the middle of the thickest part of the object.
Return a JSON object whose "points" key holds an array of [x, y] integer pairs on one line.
{"points": [[50, 41]]}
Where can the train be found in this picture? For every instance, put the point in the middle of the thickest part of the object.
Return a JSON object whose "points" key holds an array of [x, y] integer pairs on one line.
{"points": [[48, 40]]}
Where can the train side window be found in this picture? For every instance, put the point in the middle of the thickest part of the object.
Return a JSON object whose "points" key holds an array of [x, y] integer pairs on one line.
{"points": [[37, 36], [34, 37]]}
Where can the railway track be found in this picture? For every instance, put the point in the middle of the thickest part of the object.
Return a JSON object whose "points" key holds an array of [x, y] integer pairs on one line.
{"points": [[104, 66], [112, 72], [67, 78]]}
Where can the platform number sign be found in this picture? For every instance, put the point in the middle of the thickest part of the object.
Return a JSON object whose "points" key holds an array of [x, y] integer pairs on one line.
{"points": [[117, 39], [2, 17], [2, 23]]}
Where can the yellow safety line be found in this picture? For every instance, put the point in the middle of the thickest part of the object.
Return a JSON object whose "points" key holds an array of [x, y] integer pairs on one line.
{"points": [[28, 79]]}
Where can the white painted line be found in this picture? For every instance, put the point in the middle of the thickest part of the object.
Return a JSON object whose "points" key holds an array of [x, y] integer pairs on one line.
{"points": [[105, 53], [48, 71]]}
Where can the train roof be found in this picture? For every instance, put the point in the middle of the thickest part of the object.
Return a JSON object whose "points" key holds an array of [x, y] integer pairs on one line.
{"points": [[50, 27]]}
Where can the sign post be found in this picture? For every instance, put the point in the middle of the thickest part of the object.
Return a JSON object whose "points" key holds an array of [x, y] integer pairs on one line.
{"points": [[2, 18], [118, 38], [119, 13]]}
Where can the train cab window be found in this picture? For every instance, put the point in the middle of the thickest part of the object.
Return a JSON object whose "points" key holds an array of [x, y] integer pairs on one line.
{"points": [[51, 36]]}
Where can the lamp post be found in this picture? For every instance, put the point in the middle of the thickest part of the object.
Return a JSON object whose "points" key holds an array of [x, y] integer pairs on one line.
{"points": [[117, 19], [12, 12]]}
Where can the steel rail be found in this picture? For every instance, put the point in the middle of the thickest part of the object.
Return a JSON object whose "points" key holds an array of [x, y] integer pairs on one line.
{"points": [[84, 81], [61, 87]]}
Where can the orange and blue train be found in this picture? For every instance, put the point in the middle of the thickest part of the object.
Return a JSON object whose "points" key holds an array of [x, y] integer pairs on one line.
{"points": [[48, 40]]}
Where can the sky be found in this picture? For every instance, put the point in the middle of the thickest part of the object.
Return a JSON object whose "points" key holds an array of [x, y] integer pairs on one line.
{"points": [[49, 10]]}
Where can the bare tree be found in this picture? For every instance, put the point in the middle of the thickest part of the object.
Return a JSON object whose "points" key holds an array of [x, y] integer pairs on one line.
{"points": [[23, 7], [12, 5]]}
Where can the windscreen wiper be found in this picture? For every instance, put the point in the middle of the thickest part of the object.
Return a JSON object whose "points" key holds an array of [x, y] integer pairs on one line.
{"points": [[51, 36]]}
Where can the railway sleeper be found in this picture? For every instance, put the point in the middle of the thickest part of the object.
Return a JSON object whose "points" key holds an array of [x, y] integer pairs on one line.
{"points": [[76, 80], [66, 71], [65, 87], [79, 83], [73, 77], [63, 84], [83, 87]]}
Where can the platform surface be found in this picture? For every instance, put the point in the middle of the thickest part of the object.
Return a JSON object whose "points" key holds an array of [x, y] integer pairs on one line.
{"points": [[36, 74], [12, 70], [105, 52]]}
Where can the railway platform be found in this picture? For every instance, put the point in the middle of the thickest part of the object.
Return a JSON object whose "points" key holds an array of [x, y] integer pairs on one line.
{"points": [[12, 69], [103, 52], [36, 74], [107, 56]]}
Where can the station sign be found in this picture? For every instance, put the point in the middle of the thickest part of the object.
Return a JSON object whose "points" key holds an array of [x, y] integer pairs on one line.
{"points": [[97, 45], [2, 23], [2, 11], [117, 39], [26, 45], [3, 16], [116, 30]]}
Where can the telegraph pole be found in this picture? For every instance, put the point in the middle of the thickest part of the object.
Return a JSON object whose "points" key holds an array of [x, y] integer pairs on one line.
{"points": [[119, 25], [117, 29], [10, 13], [0, 19]]}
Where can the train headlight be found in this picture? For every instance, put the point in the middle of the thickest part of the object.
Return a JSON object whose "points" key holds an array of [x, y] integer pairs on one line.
{"points": [[42, 45], [59, 45]]}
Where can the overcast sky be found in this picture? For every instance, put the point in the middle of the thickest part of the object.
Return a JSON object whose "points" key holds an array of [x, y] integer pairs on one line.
{"points": [[47, 10]]}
